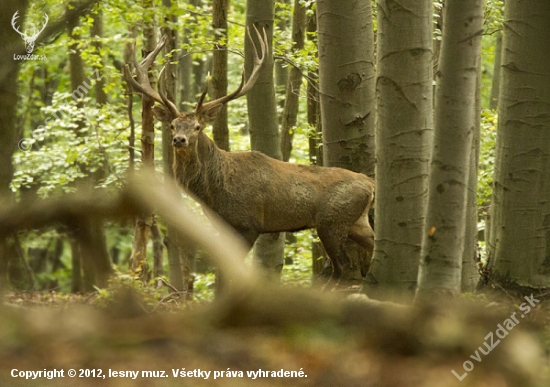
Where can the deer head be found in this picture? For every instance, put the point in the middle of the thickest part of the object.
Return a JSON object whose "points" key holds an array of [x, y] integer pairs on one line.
{"points": [[30, 38], [186, 127]]}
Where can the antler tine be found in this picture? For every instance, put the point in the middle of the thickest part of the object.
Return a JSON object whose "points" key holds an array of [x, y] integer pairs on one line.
{"points": [[142, 84], [169, 104], [258, 62], [243, 87], [203, 95], [149, 59]]}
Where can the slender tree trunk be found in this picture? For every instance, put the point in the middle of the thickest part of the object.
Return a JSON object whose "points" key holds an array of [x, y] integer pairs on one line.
{"points": [[129, 106], [97, 34], [158, 250], [281, 71], [313, 105], [198, 75], [90, 235], [346, 69], [403, 145], [262, 114], [178, 258], [96, 264], [519, 246], [220, 129], [185, 70], [99, 238], [144, 222], [443, 243], [76, 264], [495, 87], [9, 70], [294, 83], [20, 273], [319, 258], [470, 272], [171, 240]]}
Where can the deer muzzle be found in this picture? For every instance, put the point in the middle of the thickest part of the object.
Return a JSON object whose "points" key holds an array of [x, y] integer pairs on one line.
{"points": [[180, 141]]}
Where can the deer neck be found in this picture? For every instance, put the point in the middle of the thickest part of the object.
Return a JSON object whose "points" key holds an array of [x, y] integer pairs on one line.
{"points": [[200, 168]]}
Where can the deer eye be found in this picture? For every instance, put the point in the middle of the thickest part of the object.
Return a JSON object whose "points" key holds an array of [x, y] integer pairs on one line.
{"points": [[197, 127], [172, 126]]}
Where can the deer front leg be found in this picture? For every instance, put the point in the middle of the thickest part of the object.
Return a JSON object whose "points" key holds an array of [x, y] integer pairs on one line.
{"points": [[250, 237]]}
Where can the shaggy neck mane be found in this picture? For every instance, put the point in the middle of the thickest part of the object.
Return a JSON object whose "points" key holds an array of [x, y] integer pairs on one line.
{"points": [[200, 169]]}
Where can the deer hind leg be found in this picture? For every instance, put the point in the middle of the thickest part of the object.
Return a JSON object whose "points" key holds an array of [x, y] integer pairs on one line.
{"points": [[334, 242], [362, 233]]}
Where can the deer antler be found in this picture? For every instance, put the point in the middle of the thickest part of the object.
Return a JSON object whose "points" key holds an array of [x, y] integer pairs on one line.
{"points": [[243, 87], [142, 84]]}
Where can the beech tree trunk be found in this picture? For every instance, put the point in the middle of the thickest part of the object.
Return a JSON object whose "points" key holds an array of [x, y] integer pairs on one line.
{"points": [[262, 115], [443, 240], [404, 135], [180, 256], [346, 83], [280, 68], [220, 129], [519, 244], [470, 259], [144, 222], [186, 91], [495, 86], [319, 258], [294, 83]]}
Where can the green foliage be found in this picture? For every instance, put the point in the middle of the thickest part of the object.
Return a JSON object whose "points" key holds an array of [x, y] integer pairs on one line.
{"points": [[204, 286], [494, 16], [489, 121], [73, 142]]}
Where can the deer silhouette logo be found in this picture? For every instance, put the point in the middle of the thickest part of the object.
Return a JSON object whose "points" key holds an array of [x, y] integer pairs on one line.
{"points": [[30, 37]]}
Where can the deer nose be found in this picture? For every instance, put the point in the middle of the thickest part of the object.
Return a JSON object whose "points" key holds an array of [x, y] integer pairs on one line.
{"points": [[179, 141]]}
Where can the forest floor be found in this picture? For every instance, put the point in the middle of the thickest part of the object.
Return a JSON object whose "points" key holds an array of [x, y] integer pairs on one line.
{"points": [[301, 338]]}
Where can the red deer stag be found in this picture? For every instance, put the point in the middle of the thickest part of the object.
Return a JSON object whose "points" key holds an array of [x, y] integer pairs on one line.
{"points": [[255, 193]]}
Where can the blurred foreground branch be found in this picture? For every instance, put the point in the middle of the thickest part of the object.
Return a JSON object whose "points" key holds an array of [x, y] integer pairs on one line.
{"points": [[226, 249]]}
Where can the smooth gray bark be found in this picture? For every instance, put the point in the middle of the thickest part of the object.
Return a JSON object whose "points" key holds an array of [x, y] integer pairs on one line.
{"points": [[404, 134], [346, 84], [443, 240], [519, 245], [264, 130]]}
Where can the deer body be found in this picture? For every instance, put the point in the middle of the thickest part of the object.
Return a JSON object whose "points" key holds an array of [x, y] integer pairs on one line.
{"points": [[256, 194], [253, 192]]}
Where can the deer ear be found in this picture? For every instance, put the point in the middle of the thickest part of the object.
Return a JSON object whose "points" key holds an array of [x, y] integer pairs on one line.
{"points": [[210, 114], [162, 114]]}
